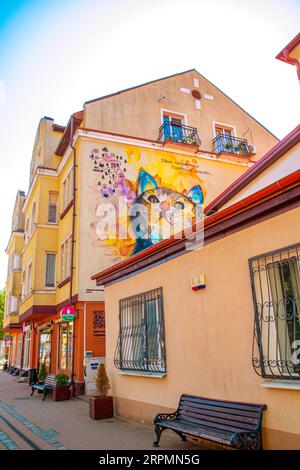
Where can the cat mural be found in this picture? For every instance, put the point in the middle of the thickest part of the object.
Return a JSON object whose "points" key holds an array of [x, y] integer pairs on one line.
{"points": [[159, 212]]}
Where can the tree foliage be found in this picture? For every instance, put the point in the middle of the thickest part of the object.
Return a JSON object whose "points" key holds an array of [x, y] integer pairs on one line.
{"points": [[2, 305]]}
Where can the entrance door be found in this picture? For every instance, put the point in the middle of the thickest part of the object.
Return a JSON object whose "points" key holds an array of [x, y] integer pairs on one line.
{"points": [[45, 348]]}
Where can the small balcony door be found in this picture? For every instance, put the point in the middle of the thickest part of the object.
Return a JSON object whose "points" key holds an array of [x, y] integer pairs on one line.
{"points": [[173, 127]]}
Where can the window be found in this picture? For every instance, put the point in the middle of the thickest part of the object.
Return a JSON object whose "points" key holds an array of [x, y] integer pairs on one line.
{"points": [[276, 293], [50, 270], [52, 207], [32, 218], [65, 351], [67, 189], [26, 354], [29, 273], [65, 259], [45, 348], [141, 341], [23, 283]]}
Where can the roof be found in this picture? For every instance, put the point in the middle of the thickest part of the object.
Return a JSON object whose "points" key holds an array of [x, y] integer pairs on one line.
{"points": [[284, 54], [138, 86], [66, 138], [273, 199], [262, 164]]}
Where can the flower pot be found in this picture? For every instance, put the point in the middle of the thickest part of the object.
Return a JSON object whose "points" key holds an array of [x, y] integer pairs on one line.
{"points": [[60, 393], [101, 407]]}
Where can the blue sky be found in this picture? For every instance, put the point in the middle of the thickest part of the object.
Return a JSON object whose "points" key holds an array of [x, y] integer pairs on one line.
{"points": [[54, 55]]}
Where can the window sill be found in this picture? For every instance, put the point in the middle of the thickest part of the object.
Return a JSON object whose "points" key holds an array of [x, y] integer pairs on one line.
{"points": [[281, 384], [154, 375], [66, 210]]}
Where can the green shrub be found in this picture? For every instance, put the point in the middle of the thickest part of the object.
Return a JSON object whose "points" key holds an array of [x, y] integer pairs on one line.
{"points": [[61, 380], [42, 372]]}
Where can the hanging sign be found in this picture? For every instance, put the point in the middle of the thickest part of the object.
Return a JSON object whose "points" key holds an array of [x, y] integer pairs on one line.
{"points": [[68, 313]]}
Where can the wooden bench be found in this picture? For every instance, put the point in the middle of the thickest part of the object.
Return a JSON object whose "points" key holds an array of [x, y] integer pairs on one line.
{"points": [[46, 387], [226, 422]]}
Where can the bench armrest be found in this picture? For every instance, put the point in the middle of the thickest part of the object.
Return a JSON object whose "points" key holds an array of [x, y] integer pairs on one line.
{"points": [[165, 417], [251, 440]]}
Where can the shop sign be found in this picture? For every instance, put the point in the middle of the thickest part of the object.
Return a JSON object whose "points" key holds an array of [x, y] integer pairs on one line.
{"points": [[68, 313], [7, 338]]}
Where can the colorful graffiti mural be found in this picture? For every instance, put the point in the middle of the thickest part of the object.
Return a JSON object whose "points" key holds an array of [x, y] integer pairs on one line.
{"points": [[163, 194]]}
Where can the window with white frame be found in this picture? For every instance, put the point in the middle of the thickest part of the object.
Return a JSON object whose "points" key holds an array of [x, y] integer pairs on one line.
{"points": [[52, 207], [65, 259], [29, 280], [32, 218], [67, 192], [50, 269], [23, 283]]}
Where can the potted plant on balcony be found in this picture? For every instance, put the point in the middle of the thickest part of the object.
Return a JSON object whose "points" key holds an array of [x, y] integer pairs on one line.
{"points": [[101, 406], [60, 391]]}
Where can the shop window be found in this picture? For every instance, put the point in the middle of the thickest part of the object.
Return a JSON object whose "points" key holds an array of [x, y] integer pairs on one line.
{"points": [[141, 341], [19, 350], [26, 354], [65, 346], [45, 348]]}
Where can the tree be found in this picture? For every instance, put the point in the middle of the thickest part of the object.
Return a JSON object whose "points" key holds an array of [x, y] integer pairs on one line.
{"points": [[2, 305]]}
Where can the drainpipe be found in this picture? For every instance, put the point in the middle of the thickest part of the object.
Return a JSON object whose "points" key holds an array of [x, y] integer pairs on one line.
{"points": [[72, 242]]}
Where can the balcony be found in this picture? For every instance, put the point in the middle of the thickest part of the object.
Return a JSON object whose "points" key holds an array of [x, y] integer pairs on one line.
{"points": [[223, 143], [179, 134]]}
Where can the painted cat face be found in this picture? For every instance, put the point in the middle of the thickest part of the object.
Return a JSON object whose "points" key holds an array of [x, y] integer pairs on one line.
{"points": [[168, 210]]}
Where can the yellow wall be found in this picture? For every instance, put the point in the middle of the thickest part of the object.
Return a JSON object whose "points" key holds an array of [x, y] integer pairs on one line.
{"points": [[209, 332]]}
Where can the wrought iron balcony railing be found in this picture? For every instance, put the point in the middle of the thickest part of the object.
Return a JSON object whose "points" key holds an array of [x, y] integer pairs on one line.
{"points": [[178, 133], [230, 144]]}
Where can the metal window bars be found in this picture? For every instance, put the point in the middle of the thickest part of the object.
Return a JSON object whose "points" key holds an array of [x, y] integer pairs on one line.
{"points": [[275, 280], [179, 133], [141, 340], [230, 144]]}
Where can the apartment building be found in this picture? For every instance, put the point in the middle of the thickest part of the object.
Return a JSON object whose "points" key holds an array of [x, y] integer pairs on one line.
{"points": [[175, 142]]}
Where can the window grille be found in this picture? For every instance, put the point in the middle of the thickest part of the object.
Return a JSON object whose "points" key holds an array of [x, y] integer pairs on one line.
{"points": [[275, 279], [141, 341]]}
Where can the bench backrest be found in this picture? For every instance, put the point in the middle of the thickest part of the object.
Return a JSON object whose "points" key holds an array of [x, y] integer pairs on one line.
{"points": [[226, 416], [50, 379]]}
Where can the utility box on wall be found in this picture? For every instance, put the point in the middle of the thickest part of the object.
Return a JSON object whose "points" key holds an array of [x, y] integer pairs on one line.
{"points": [[91, 365]]}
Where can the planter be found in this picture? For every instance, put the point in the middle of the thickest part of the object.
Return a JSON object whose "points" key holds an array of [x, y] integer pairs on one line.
{"points": [[60, 393], [101, 407]]}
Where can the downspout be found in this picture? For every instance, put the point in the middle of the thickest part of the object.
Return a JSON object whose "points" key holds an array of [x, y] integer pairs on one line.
{"points": [[72, 243]]}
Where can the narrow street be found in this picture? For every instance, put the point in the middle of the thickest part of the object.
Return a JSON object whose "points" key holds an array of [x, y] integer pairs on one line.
{"points": [[28, 423]]}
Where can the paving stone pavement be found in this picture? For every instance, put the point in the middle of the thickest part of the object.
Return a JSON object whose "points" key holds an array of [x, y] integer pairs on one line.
{"points": [[29, 423]]}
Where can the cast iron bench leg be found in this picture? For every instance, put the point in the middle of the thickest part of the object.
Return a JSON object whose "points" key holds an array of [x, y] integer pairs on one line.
{"points": [[158, 432], [32, 391]]}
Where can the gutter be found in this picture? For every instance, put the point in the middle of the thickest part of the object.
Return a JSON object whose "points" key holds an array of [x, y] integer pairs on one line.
{"points": [[73, 241]]}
